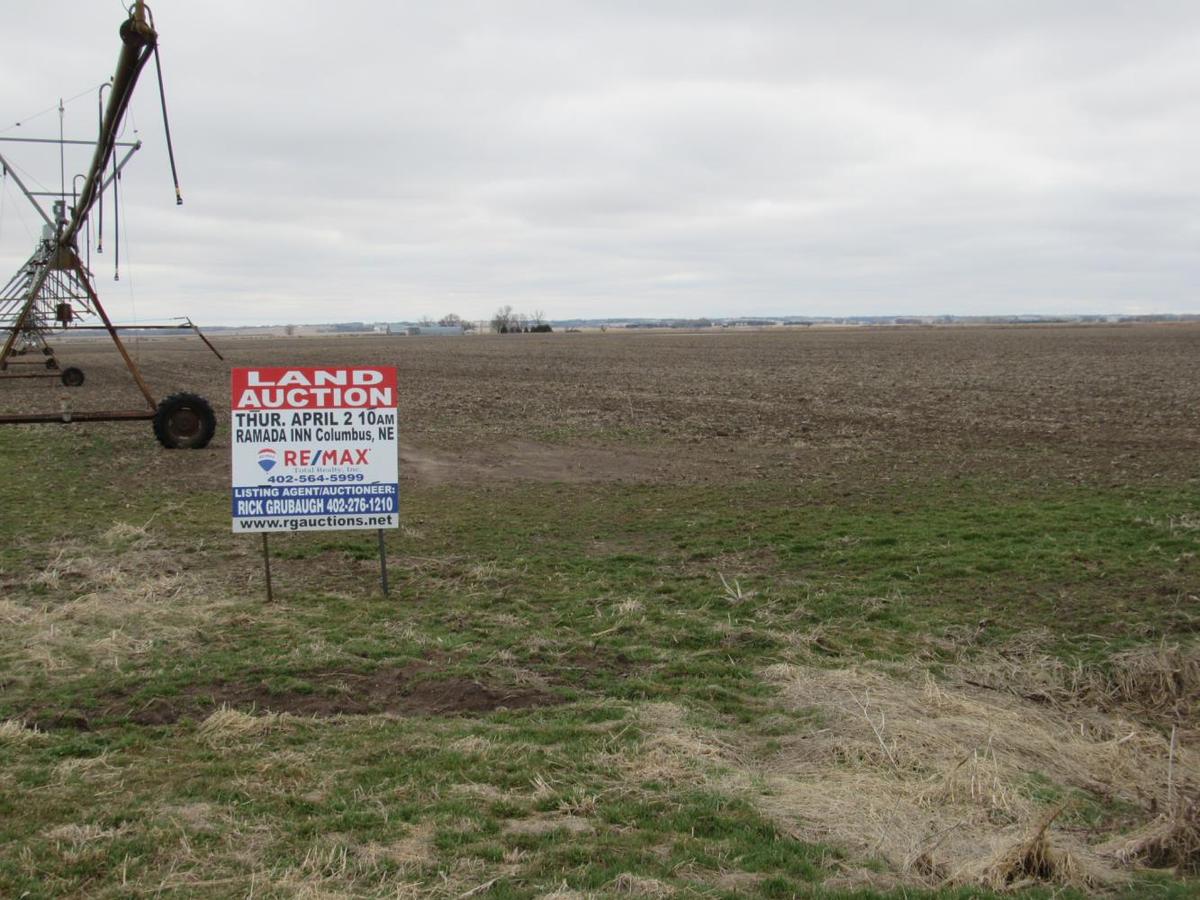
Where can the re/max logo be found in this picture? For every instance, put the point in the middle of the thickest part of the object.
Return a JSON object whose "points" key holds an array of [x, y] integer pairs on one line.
{"points": [[326, 457]]}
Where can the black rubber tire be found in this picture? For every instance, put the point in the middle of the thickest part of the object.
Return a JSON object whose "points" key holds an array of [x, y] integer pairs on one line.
{"points": [[184, 422], [72, 377], [51, 363]]}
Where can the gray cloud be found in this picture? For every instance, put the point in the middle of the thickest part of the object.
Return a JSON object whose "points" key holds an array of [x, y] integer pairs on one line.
{"points": [[368, 160]]}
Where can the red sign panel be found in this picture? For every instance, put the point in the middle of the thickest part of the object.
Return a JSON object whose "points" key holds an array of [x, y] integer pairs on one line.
{"points": [[361, 387]]}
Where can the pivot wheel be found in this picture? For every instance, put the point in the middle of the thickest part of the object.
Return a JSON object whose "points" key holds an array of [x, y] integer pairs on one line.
{"points": [[184, 422], [72, 377]]}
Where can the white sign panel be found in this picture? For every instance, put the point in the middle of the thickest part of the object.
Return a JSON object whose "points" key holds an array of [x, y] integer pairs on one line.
{"points": [[314, 449]]}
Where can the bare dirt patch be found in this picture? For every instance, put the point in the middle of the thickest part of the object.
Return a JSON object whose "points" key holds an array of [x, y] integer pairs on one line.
{"points": [[577, 666], [531, 461], [414, 689]]}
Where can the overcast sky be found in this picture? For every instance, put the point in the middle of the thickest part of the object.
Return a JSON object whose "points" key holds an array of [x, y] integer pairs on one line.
{"points": [[384, 161]]}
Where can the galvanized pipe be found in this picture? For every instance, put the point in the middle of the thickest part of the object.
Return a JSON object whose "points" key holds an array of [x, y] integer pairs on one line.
{"points": [[49, 418], [138, 40]]}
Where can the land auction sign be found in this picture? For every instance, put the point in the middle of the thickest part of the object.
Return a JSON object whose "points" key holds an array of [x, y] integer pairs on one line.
{"points": [[314, 449]]}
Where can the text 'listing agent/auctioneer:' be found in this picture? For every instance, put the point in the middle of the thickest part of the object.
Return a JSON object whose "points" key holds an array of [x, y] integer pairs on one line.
{"points": [[314, 388]]}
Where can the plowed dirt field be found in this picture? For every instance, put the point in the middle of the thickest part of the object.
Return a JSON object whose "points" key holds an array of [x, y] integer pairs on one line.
{"points": [[1084, 401]]}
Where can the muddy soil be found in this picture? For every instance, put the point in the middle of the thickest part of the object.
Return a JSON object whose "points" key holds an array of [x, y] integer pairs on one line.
{"points": [[414, 689]]}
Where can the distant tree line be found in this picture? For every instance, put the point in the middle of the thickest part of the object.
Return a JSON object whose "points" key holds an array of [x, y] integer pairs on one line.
{"points": [[505, 321]]}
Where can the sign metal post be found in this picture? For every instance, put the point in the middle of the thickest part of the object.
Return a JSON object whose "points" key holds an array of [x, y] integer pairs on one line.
{"points": [[267, 567], [383, 564]]}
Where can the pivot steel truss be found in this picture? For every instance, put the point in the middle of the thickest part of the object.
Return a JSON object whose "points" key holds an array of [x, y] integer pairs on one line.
{"points": [[53, 290]]}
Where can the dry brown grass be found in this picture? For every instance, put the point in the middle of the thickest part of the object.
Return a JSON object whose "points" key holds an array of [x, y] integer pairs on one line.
{"points": [[77, 835], [14, 732], [675, 751], [194, 817], [548, 823], [82, 843], [411, 852], [1033, 858], [1159, 682], [637, 886], [1172, 839], [939, 781], [1164, 678], [334, 865], [226, 726], [944, 782], [562, 893], [91, 769], [96, 606]]}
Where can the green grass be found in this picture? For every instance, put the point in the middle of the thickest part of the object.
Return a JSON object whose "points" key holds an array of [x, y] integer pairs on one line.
{"points": [[607, 597]]}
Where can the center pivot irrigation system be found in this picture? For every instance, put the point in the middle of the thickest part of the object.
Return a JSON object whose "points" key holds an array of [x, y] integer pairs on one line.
{"points": [[54, 291]]}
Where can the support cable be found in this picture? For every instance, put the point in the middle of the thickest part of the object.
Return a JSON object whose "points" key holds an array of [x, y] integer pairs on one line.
{"points": [[20, 213], [18, 168], [48, 109]]}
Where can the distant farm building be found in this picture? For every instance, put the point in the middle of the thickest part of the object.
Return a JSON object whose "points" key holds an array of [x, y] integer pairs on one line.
{"points": [[434, 330]]}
